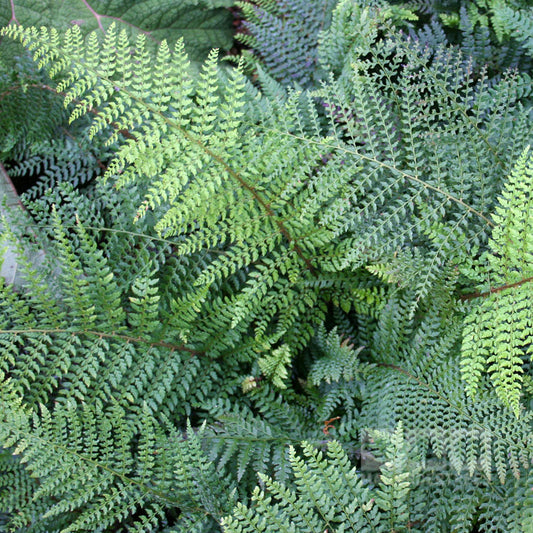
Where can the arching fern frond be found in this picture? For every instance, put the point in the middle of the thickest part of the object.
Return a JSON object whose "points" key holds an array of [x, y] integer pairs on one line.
{"points": [[328, 494], [497, 336], [290, 218], [97, 470]]}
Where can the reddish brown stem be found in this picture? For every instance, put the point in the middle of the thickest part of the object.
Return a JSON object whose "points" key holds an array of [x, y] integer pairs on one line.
{"points": [[493, 290], [13, 16], [127, 338]]}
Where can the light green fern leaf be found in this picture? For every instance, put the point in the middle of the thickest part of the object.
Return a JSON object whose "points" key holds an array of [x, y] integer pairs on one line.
{"points": [[396, 478], [274, 366], [498, 331]]}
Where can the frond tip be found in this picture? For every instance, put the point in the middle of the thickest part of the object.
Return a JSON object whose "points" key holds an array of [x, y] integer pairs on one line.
{"points": [[274, 366]]}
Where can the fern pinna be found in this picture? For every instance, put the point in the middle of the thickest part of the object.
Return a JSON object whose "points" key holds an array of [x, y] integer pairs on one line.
{"points": [[260, 266], [283, 36]]}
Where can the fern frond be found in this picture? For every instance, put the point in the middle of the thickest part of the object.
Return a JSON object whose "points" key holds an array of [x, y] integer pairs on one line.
{"points": [[274, 366], [392, 496], [473, 437], [244, 442], [328, 494], [284, 35], [100, 484], [504, 306]]}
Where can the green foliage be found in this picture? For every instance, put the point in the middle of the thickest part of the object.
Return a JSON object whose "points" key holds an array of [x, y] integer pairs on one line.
{"points": [[328, 493], [472, 28], [509, 19], [35, 140], [22, 88], [323, 287], [274, 366], [283, 36], [506, 305], [203, 24]]}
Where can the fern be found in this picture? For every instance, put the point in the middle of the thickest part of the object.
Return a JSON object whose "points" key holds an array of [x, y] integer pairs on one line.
{"points": [[328, 494], [34, 132], [22, 88], [284, 36], [204, 24], [86, 486], [504, 303], [260, 278], [515, 23]]}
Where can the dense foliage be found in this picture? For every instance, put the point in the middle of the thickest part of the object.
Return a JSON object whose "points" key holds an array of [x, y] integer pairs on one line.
{"points": [[287, 293]]}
